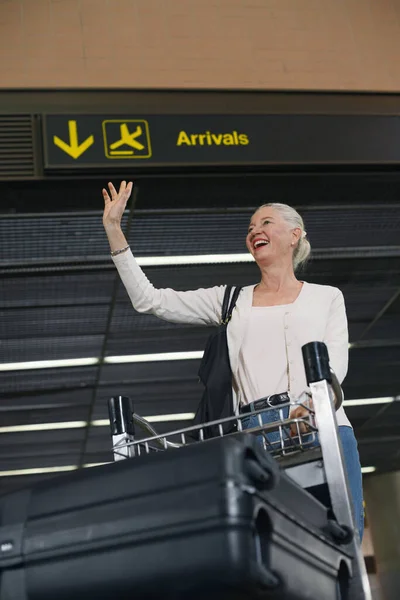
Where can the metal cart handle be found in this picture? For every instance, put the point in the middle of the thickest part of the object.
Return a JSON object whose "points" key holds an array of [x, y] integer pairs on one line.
{"points": [[145, 426], [337, 390]]}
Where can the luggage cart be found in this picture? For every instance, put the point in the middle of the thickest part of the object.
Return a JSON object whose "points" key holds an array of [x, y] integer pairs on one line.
{"points": [[307, 448]]}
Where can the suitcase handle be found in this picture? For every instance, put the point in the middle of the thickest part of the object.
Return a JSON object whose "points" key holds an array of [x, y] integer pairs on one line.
{"points": [[267, 579], [260, 477], [340, 533], [261, 468]]}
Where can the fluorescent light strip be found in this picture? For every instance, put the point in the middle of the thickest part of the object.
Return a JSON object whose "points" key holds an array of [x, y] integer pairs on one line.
{"points": [[197, 259], [366, 401], [95, 423], [49, 364], [151, 419], [368, 469], [43, 470], [37, 471], [83, 362], [43, 426], [169, 418], [164, 356]]}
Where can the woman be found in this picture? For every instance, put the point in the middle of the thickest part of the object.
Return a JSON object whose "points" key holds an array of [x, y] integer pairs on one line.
{"points": [[273, 318]]}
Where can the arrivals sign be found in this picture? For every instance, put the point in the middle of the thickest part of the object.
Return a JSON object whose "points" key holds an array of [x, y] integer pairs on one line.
{"points": [[96, 141]]}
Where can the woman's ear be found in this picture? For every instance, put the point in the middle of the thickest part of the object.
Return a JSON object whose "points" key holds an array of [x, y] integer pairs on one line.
{"points": [[296, 235]]}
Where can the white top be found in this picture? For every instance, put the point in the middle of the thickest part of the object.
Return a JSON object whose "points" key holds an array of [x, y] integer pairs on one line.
{"points": [[318, 314], [259, 372]]}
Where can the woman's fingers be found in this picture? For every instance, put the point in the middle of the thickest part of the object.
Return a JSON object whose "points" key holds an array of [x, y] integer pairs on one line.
{"points": [[113, 191], [300, 412], [123, 193], [295, 429], [106, 197], [127, 193], [122, 187], [128, 188]]}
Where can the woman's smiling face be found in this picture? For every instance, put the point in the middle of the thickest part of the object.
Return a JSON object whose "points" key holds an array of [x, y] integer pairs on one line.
{"points": [[270, 237]]}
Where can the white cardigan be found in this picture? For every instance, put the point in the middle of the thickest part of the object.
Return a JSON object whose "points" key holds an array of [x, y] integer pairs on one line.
{"points": [[318, 315]]}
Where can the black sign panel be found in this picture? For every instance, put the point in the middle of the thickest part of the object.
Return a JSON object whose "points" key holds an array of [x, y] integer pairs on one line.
{"points": [[95, 141]]}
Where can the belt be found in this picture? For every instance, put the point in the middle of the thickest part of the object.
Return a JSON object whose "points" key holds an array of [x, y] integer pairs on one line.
{"points": [[267, 402]]}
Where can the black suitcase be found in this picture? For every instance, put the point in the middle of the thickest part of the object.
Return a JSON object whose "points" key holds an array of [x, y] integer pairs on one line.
{"points": [[215, 519]]}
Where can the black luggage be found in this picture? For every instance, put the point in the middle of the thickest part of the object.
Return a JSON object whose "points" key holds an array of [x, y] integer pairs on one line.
{"points": [[215, 519]]}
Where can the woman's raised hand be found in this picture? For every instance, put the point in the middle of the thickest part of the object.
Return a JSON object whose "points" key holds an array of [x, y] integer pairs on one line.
{"points": [[115, 203]]}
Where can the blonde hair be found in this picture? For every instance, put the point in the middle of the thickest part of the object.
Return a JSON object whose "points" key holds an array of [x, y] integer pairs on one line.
{"points": [[302, 251]]}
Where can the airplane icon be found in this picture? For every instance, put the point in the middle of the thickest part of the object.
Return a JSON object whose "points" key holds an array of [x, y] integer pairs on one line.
{"points": [[127, 139]]}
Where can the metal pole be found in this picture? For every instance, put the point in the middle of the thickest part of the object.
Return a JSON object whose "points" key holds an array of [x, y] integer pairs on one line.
{"points": [[316, 362], [120, 411]]}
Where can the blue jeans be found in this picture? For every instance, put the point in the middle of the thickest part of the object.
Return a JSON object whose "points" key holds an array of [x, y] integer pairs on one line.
{"points": [[350, 453]]}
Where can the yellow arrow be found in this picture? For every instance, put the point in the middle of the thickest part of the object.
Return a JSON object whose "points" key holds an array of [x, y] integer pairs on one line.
{"points": [[73, 148]]}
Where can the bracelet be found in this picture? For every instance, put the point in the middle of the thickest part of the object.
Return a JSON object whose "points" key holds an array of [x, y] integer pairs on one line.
{"points": [[116, 252]]}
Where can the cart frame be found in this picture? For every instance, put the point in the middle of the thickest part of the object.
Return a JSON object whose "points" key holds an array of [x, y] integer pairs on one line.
{"points": [[295, 453]]}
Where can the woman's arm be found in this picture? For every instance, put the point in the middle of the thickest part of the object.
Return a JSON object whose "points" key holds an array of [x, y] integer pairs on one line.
{"points": [[200, 307], [337, 337]]}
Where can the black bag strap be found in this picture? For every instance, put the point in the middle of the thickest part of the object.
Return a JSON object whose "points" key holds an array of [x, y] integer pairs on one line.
{"points": [[225, 303], [227, 312]]}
